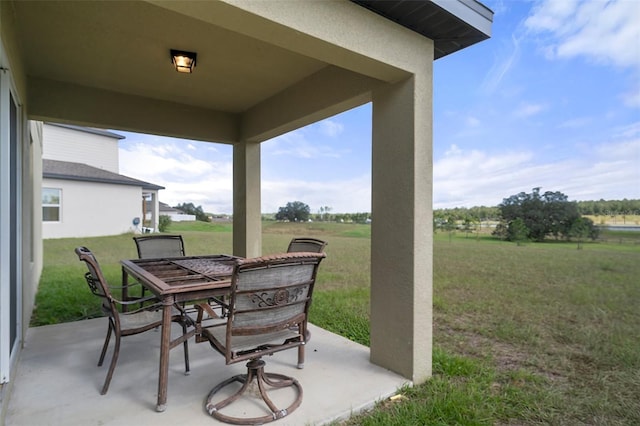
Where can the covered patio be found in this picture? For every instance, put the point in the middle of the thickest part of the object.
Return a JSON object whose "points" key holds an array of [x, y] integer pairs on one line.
{"points": [[58, 383], [263, 68]]}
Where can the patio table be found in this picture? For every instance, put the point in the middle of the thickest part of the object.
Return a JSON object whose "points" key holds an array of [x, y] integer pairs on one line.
{"points": [[175, 280]]}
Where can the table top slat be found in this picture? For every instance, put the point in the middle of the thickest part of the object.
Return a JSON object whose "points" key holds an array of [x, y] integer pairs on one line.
{"points": [[168, 276]]}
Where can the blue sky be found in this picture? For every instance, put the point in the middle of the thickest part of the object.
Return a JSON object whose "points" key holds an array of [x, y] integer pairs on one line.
{"points": [[552, 100]]}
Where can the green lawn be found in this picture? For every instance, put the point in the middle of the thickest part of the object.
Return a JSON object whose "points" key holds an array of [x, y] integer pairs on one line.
{"points": [[539, 333]]}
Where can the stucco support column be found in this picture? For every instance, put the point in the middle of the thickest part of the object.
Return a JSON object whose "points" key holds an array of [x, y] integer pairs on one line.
{"points": [[247, 227], [402, 231], [155, 211]]}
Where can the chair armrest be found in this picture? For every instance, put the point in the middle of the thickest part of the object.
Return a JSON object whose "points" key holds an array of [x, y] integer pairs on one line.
{"points": [[202, 308], [205, 307]]}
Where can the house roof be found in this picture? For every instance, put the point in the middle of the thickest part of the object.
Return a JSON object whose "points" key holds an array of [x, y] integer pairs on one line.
{"points": [[451, 24], [54, 169], [88, 130], [166, 208]]}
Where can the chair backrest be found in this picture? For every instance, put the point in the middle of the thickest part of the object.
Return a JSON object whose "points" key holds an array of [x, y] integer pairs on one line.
{"points": [[312, 245], [96, 281], [271, 294], [153, 246]]}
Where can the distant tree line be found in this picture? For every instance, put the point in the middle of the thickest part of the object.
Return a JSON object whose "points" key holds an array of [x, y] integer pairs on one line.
{"points": [[519, 217], [297, 211], [609, 207], [587, 208], [472, 214], [535, 216]]}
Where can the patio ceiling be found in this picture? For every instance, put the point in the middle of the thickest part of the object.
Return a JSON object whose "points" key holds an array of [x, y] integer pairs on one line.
{"points": [[103, 45], [95, 64]]}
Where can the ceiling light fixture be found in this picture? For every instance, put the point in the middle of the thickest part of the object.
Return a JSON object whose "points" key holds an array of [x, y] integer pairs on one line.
{"points": [[183, 61]]}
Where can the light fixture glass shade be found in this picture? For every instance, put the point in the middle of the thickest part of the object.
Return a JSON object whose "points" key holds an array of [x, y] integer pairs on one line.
{"points": [[183, 61]]}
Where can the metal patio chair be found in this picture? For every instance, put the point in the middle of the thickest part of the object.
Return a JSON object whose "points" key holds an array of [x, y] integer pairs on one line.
{"points": [[152, 246], [156, 246], [312, 245], [306, 244], [267, 313], [148, 317]]}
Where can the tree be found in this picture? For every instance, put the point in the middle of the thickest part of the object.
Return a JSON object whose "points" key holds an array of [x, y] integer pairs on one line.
{"points": [[294, 211], [324, 213], [517, 231], [469, 225], [164, 222], [583, 228], [450, 226], [360, 217], [545, 214], [189, 208]]}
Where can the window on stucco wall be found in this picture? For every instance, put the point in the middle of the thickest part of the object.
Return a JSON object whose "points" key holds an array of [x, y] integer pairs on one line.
{"points": [[51, 203]]}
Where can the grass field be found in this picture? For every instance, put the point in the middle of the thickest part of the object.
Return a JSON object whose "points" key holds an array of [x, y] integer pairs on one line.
{"points": [[534, 334]]}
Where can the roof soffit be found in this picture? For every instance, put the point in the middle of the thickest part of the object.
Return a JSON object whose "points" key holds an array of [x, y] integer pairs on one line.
{"points": [[452, 24]]}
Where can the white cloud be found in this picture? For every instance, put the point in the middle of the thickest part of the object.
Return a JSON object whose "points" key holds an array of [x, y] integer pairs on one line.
{"points": [[350, 195], [528, 110], [473, 121], [631, 98], [331, 128], [151, 161], [186, 170], [474, 178], [297, 144], [502, 66], [551, 15], [603, 31], [575, 123], [461, 177], [630, 131]]}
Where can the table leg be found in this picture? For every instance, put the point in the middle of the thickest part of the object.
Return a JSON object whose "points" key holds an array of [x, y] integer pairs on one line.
{"points": [[125, 288], [163, 376]]}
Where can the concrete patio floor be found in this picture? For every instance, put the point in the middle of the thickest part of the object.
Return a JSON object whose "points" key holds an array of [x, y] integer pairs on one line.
{"points": [[58, 382]]}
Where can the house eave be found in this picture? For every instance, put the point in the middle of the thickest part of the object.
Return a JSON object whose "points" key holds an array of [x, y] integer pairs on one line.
{"points": [[93, 131], [150, 187], [65, 170], [452, 24]]}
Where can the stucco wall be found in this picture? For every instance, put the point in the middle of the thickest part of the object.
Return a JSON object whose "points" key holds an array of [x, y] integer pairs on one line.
{"points": [[32, 229], [93, 209]]}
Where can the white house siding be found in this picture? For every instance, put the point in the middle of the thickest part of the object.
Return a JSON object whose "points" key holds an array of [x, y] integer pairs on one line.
{"points": [[177, 217], [76, 146], [81, 201]]}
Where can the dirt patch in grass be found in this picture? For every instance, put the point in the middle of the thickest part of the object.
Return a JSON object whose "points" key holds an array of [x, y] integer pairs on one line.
{"points": [[504, 356]]}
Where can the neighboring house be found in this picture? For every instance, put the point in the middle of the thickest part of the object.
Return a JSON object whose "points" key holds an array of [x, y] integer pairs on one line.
{"points": [[83, 195], [83, 201], [175, 214]]}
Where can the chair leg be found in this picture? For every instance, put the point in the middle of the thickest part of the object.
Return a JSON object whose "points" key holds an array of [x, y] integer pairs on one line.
{"points": [[301, 357], [105, 346], [255, 372], [186, 350], [307, 337], [112, 367], [142, 292]]}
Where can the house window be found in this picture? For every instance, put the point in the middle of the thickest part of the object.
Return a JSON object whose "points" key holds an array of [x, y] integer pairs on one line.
{"points": [[51, 204]]}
